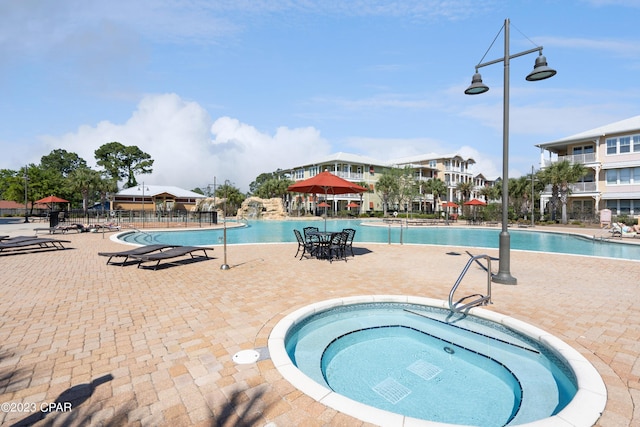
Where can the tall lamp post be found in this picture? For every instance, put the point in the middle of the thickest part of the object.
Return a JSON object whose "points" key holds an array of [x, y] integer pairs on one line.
{"points": [[143, 211], [26, 207], [533, 199], [540, 72], [225, 266]]}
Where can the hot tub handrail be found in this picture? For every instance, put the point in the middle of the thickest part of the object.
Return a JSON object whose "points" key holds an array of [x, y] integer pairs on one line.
{"points": [[483, 299]]}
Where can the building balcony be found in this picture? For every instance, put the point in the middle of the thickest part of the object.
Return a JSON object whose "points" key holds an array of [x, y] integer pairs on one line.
{"points": [[352, 176], [582, 159], [577, 188]]}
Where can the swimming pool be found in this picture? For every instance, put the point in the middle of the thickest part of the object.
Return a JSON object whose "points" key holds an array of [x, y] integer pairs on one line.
{"points": [[483, 237], [398, 360]]}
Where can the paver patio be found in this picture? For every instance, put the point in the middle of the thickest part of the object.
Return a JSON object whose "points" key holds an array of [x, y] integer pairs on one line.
{"points": [[129, 346]]}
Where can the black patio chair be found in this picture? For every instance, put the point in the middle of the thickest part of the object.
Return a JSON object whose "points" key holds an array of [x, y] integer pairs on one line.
{"points": [[309, 235], [306, 247], [337, 246], [351, 233]]}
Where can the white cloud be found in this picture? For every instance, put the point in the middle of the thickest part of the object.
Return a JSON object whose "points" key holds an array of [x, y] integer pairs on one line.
{"points": [[177, 134]]}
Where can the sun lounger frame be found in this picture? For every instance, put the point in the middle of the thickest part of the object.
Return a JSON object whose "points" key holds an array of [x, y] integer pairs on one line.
{"points": [[140, 250], [39, 242], [175, 252]]}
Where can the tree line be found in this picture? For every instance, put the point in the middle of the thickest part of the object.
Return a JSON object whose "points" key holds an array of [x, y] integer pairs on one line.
{"points": [[67, 175]]}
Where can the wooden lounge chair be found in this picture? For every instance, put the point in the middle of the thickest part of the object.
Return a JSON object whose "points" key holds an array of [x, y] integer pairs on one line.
{"points": [[38, 242], [141, 250], [174, 252]]}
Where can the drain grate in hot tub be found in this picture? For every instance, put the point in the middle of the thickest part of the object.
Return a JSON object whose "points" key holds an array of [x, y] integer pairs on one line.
{"points": [[424, 369], [391, 390]]}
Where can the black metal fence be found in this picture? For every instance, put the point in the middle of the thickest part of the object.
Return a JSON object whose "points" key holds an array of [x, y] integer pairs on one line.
{"points": [[126, 218]]}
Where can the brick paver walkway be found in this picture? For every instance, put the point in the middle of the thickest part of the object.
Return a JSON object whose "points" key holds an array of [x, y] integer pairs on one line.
{"points": [[129, 346]]}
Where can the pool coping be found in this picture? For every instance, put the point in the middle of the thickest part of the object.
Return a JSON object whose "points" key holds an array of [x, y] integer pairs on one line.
{"points": [[584, 410]]}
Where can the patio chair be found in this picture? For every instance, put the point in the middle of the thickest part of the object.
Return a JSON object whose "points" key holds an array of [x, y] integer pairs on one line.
{"points": [[309, 234], [304, 245], [174, 252], [141, 250], [337, 246], [351, 233]]}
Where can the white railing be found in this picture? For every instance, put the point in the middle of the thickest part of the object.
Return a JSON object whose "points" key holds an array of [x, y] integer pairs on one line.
{"points": [[578, 187], [573, 159], [350, 175]]}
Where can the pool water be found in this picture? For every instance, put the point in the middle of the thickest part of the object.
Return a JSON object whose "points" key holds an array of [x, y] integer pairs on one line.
{"points": [[427, 363], [282, 231]]}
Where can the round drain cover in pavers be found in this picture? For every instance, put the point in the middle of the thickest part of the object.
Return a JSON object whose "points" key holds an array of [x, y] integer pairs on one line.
{"points": [[246, 356]]}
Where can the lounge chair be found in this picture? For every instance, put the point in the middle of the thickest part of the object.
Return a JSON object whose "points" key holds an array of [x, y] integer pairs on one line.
{"points": [[38, 242], [174, 252], [78, 228], [141, 250], [622, 230], [109, 227]]}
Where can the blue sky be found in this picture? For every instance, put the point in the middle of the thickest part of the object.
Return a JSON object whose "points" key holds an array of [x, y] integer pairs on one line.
{"points": [[233, 88]]}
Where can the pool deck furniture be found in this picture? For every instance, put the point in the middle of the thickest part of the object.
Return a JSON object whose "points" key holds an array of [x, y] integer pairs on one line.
{"points": [[107, 227], [141, 250], [36, 242], [78, 228], [307, 246], [175, 252], [617, 230]]}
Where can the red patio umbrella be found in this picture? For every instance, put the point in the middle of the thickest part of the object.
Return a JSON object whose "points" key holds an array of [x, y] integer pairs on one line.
{"points": [[450, 205], [326, 183], [475, 202], [52, 199], [323, 205], [353, 205]]}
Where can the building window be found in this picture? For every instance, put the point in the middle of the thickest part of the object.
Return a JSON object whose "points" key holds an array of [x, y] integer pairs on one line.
{"points": [[300, 174], [433, 164], [625, 144], [636, 143], [612, 177], [625, 176], [636, 175], [625, 206], [612, 145]]}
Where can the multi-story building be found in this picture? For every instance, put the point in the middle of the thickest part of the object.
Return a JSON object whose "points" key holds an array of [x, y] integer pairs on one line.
{"points": [[611, 153], [352, 167], [451, 169]]}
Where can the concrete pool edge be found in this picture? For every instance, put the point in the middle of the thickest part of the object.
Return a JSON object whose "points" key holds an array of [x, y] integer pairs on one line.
{"points": [[584, 410]]}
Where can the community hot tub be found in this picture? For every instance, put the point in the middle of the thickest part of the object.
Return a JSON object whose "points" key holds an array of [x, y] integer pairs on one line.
{"points": [[398, 361]]}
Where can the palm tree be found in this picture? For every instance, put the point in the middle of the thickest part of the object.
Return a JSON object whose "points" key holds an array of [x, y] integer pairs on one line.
{"points": [[84, 180], [387, 186], [435, 187], [464, 188], [519, 194], [560, 176]]}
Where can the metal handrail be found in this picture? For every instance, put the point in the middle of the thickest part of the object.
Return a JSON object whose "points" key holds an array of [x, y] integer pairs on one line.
{"points": [[483, 299]]}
